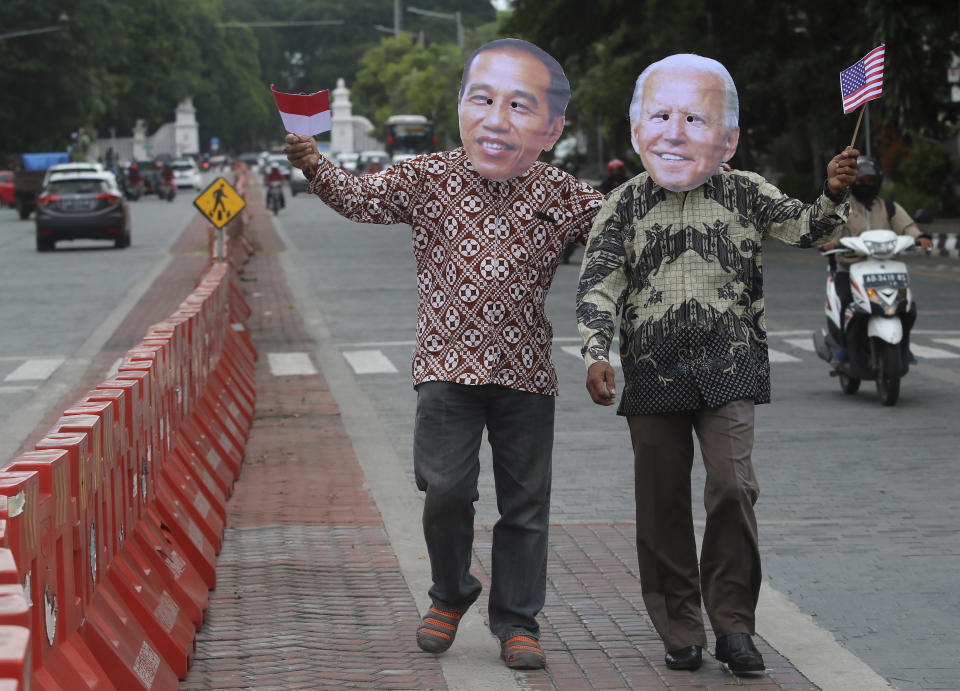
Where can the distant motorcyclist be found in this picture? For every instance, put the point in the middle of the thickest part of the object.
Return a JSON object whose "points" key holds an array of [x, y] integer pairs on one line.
{"points": [[275, 175], [166, 173], [616, 176], [869, 211], [134, 176]]}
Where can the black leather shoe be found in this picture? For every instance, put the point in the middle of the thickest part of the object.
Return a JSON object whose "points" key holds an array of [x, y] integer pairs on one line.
{"points": [[739, 654], [688, 658]]}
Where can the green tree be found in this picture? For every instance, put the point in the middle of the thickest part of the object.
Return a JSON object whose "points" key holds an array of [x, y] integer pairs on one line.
{"points": [[785, 59], [398, 76]]}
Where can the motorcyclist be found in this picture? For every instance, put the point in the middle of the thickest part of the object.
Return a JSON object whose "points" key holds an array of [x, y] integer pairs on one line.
{"points": [[869, 211], [134, 176], [275, 175], [616, 176]]}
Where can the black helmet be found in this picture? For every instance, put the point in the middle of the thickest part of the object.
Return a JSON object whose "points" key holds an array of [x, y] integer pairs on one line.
{"points": [[867, 167]]}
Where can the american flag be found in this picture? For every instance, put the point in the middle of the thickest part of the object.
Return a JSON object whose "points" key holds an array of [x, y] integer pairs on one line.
{"points": [[863, 80]]}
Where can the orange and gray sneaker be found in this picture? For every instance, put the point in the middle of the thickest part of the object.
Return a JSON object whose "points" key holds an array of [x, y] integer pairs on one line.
{"points": [[522, 651], [437, 630]]}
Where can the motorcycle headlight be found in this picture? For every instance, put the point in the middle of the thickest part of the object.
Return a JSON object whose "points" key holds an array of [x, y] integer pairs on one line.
{"points": [[880, 249]]}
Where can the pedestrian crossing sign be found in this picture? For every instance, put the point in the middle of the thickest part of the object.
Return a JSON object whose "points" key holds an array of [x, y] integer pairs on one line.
{"points": [[219, 202]]}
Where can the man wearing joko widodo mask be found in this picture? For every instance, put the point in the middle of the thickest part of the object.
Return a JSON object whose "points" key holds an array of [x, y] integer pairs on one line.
{"points": [[489, 225], [676, 250]]}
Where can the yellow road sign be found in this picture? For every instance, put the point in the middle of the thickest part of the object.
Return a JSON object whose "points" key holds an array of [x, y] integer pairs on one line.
{"points": [[219, 202]]}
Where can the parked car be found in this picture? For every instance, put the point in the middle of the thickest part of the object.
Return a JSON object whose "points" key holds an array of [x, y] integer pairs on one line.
{"points": [[7, 197], [186, 173], [77, 206]]}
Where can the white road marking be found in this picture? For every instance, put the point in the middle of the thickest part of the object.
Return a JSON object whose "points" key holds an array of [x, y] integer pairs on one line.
{"points": [[575, 351], [15, 358], [779, 356], [928, 352], [801, 343], [34, 370], [114, 368], [15, 389], [369, 362], [955, 342], [287, 364]]}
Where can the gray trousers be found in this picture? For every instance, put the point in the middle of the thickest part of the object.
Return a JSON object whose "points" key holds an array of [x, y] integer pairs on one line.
{"points": [[446, 444], [729, 568]]}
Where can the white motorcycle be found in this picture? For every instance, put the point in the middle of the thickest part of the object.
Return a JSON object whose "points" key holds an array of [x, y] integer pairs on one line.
{"points": [[875, 326]]}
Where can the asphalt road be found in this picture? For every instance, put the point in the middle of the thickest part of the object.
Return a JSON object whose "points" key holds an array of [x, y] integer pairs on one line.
{"points": [[59, 308], [858, 502]]}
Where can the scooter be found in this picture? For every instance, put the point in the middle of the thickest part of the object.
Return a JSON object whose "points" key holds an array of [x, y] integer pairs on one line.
{"points": [[166, 190], [875, 326], [275, 200]]}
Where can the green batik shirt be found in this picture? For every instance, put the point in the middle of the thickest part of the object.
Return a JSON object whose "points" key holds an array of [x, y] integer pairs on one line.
{"points": [[683, 272]]}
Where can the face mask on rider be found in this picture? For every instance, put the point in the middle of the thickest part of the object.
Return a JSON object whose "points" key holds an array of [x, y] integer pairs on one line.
{"points": [[864, 194]]}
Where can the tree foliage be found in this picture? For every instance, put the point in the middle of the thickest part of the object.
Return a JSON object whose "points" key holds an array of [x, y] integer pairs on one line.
{"points": [[785, 58], [124, 60]]}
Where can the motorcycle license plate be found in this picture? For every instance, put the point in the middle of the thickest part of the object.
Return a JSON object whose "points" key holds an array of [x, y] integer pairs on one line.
{"points": [[894, 280]]}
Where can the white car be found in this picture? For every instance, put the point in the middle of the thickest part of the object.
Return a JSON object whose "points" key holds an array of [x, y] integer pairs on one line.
{"points": [[186, 173], [71, 168], [347, 160]]}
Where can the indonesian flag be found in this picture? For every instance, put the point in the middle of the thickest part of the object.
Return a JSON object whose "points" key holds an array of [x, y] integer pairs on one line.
{"points": [[304, 114]]}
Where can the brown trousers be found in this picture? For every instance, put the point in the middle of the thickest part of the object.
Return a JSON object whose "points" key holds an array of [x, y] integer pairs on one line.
{"points": [[729, 569]]}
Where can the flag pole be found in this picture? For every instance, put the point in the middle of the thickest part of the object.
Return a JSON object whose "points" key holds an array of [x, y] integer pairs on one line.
{"points": [[857, 129]]}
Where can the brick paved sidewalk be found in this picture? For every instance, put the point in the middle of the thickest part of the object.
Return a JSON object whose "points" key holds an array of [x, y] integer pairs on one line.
{"points": [[309, 590]]}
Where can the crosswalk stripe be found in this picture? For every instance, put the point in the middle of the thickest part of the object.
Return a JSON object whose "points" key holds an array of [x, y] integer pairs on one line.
{"points": [[575, 351], [955, 342], [369, 361], [928, 352], [801, 343], [32, 370], [287, 364], [15, 389], [780, 356]]}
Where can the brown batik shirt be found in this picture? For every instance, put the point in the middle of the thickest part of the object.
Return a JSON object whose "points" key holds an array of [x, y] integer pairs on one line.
{"points": [[486, 253]]}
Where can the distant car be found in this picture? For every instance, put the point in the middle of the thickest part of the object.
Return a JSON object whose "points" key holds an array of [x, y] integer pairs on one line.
{"points": [[76, 206], [347, 160], [186, 173], [373, 161], [281, 162], [79, 167], [298, 182], [150, 176], [219, 162], [7, 197], [251, 158]]}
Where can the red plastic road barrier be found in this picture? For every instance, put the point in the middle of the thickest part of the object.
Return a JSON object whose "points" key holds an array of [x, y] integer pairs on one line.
{"points": [[15, 654], [109, 529]]}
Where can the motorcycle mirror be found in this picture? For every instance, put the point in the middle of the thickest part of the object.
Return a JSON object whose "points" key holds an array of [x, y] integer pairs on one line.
{"points": [[923, 216]]}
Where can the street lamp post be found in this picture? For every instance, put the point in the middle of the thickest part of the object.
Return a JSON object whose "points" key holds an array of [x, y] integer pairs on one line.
{"points": [[444, 15]]}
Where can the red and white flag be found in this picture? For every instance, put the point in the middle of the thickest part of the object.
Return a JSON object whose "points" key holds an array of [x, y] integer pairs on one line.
{"points": [[863, 80], [304, 114]]}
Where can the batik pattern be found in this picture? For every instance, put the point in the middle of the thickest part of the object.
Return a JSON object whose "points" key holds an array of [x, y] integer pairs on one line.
{"points": [[683, 271], [486, 253]]}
